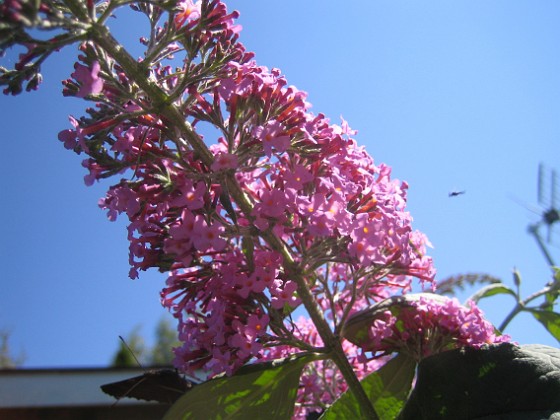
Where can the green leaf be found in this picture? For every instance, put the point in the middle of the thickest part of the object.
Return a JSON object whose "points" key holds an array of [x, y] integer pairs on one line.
{"points": [[387, 388], [496, 382], [550, 320], [256, 391], [552, 295], [491, 290]]}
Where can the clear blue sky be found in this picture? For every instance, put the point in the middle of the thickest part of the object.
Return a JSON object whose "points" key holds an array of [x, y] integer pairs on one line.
{"points": [[462, 94]]}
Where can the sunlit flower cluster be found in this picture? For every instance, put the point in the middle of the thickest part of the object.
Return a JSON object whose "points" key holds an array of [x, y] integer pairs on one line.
{"points": [[304, 180], [420, 325]]}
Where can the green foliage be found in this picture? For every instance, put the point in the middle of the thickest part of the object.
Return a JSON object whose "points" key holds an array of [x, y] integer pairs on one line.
{"points": [[123, 357], [166, 338], [552, 295], [387, 389], [550, 320], [544, 313], [498, 382], [492, 290], [135, 350], [263, 390]]}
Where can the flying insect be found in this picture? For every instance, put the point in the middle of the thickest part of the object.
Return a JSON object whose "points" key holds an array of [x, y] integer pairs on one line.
{"points": [[456, 193]]}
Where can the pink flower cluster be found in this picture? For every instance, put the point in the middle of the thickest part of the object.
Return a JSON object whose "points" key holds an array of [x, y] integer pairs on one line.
{"points": [[304, 180], [425, 326]]}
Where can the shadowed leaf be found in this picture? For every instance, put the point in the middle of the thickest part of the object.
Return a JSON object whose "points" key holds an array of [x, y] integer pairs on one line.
{"points": [[498, 382], [262, 390]]}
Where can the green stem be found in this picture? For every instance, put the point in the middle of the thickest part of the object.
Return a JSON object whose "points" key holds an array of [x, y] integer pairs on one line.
{"points": [[173, 115], [522, 304]]}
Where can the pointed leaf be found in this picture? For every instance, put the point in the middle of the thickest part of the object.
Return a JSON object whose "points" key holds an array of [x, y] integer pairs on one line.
{"points": [[255, 391], [491, 290], [505, 381], [550, 320], [387, 388]]}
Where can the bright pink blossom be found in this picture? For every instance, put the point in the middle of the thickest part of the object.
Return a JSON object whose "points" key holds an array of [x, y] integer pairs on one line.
{"points": [[284, 293], [427, 326], [188, 10], [88, 79], [272, 135], [73, 138], [273, 203], [224, 161], [297, 177], [251, 283], [206, 236]]}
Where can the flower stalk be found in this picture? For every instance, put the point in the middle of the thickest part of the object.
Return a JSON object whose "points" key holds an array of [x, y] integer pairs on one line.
{"points": [[101, 36], [282, 209]]}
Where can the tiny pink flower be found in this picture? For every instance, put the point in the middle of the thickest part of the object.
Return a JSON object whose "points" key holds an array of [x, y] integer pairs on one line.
{"points": [[246, 343], [207, 237], [297, 177], [273, 203], [272, 136], [188, 10], [224, 161], [88, 78], [195, 197], [249, 284], [258, 324], [284, 293], [346, 128], [72, 138]]}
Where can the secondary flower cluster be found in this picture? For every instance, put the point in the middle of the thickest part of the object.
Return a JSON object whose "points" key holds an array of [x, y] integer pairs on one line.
{"points": [[420, 325]]}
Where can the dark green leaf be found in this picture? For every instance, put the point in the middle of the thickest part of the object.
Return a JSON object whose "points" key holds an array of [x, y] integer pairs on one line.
{"points": [[498, 382], [550, 320], [491, 290], [257, 391], [387, 388]]}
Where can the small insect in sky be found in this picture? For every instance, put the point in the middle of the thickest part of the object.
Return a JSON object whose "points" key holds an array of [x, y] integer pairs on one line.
{"points": [[456, 193]]}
